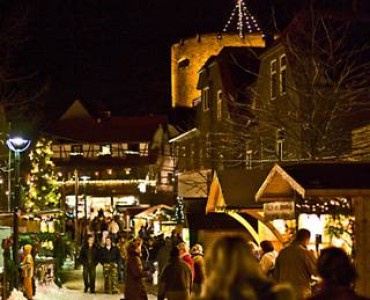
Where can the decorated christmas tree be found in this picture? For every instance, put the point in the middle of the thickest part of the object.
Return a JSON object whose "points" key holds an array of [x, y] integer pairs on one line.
{"points": [[43, 188]]}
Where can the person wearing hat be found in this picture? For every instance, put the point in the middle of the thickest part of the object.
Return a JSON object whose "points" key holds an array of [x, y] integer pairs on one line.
{"points": [[199, 271], [185, 256], [27, 271]]}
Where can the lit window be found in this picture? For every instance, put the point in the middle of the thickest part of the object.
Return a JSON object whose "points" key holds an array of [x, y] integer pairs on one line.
{"points": [[283, 75], [76, 150], [144, 149], [205, 99], [273, 81], [105, 150], [219, 105]]}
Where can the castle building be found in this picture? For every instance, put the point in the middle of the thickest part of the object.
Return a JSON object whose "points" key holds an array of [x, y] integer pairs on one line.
{"points": [[189, 55]]}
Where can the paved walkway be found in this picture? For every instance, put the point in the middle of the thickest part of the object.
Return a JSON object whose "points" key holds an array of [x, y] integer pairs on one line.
{"points": [[73, 288]]}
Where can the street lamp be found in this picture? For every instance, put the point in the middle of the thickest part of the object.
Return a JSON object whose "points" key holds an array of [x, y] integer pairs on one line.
{"points": [[16, 145]]}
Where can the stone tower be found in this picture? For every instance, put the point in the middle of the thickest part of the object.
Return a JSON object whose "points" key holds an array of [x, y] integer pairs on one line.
{"points": [[189, 55]]}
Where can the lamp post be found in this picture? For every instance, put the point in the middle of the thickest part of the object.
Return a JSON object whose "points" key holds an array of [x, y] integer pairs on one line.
{"points": [[16, 145]]}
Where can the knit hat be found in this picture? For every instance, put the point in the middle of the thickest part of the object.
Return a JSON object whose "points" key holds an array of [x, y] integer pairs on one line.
{"points": [[27, 248], [182, 246], [197, 249]]}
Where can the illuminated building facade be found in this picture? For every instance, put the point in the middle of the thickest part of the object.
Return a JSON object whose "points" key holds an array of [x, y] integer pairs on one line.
{"points": [[109, 162], [189, 55]]}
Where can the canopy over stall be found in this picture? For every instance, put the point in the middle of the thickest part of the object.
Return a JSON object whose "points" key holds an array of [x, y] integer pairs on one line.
{"points": [[233, 191], [315, 179], [307, 180]]}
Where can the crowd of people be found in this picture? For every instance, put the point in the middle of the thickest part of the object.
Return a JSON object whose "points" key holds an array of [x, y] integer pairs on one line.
{"points": [[230, 269], [124, 257]]}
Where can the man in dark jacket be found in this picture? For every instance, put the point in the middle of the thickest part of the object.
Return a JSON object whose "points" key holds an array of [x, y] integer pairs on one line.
{"points": [[176, 278], [110, 256], [89, 260]]}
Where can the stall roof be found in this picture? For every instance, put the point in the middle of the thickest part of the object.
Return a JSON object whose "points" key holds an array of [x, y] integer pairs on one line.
{"points": [[152, 210], [315, 179], [235, 189]]}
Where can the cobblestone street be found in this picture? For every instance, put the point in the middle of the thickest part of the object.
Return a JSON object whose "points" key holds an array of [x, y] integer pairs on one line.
{"points": [[73, 288]]}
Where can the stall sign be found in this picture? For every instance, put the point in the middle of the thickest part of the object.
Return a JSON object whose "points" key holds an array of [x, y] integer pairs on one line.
{"points": [[279, 210]]}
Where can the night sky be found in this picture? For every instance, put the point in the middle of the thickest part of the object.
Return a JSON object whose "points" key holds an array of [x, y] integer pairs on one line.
{"points": [[113, 51]]}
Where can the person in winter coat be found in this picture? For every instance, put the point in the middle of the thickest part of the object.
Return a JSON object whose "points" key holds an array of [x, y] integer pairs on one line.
{"points": [[27, 271], [163, 254], [199, 271], [233, 272], [267, 261], [176, 278], [109, 258], [338, 276], [185, 256], [134, 284], [296, 264], [89, 259]]}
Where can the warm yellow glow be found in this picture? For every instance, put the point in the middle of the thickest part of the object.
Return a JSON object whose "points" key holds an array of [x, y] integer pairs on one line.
{"points": [[112, 181], [245, 223], [314, 223], [156, 227], [198, 49]]}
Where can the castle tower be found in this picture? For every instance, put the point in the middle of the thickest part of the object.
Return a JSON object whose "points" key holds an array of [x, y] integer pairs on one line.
{"points": [[189, 55]]}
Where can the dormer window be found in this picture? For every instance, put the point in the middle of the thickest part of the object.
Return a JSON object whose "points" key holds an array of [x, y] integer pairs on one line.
{"points": [[76, 150]]}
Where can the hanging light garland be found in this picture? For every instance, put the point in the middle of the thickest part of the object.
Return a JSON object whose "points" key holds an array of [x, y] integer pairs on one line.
{"points": [[319, 206], [245, 23]]}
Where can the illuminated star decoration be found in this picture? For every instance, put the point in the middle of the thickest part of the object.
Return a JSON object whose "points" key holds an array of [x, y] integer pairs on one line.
{"points": [[245, 21]]}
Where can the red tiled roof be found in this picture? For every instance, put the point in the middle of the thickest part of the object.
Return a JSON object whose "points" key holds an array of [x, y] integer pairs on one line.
{"points": [[112, 129]]}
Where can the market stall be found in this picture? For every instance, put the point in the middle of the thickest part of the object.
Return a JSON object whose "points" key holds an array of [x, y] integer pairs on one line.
{"points": [[331, 199], [161, 218], [232, 193]]}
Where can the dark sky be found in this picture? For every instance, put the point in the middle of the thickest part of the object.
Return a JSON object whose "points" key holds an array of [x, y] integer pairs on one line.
{"points": [[114, 51]]}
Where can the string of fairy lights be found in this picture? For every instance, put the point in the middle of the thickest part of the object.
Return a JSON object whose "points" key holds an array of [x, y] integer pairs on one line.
{"points": [[245, 21], [338, 205]]}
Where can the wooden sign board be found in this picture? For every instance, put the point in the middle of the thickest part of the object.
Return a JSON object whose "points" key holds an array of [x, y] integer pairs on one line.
{"points": [[279, 210]]}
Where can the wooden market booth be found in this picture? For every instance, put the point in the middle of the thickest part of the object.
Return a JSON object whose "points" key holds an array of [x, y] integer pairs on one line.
{"points": [[159, 217], [232, 192], [328, 182]]}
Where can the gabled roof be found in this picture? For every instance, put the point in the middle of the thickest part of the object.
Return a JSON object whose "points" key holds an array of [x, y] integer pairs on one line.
{"points": [[113, 129], [150, 212], [235, 189], [316, 179], [77, 125], [76, 110]]}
